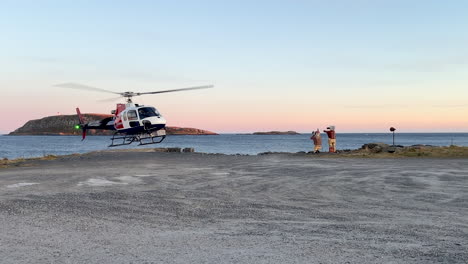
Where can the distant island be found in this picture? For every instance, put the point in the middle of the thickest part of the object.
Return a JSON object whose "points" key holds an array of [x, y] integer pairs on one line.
{"points": [[64, 125], [276, 133]]}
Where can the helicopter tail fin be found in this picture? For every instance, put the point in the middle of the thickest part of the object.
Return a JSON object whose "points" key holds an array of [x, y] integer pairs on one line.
{"points": [[80, 116], [82, 124]]}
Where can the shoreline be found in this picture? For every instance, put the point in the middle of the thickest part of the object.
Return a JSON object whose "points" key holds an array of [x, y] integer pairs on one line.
{"points": [[416, 151]]}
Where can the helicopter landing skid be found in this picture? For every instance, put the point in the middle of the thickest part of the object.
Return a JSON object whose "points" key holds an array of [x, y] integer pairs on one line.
{"points": [[144, 139]]}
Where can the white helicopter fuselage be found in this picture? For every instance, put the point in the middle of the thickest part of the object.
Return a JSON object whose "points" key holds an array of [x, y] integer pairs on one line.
{"points": [[133, 119]]}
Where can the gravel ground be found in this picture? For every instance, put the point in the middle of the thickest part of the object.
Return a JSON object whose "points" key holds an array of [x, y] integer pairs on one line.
{"points": [[196, 208]]}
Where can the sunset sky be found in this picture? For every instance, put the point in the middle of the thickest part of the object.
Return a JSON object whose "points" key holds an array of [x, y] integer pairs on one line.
{"points": [[361, 65]]}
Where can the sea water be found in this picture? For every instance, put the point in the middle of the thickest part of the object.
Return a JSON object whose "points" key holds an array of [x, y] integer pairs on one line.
{"points": [[38, 146]]}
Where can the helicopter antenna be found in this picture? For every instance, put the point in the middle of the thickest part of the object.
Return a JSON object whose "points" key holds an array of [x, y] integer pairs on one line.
{"points": [[128, 95]]}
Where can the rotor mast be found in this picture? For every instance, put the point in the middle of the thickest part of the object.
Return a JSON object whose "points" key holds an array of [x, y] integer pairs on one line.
{"points": [[128, 96]]}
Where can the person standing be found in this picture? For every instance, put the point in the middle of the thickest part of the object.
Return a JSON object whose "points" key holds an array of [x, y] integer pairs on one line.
{"points": [[317, 138], [331, 138]]}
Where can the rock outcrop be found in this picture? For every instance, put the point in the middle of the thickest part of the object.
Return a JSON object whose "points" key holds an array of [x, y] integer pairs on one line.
{"points": [[380, 147], [187, 131], [59, 125], [65, 125]]}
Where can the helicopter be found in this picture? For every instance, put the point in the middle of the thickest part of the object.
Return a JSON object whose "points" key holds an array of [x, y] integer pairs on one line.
{"points": [[131, 122]]}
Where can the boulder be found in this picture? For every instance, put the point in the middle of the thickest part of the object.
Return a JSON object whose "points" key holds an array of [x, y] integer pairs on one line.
{"points": [[375, 147], [167, 150], [174, 150], [188, 150]]}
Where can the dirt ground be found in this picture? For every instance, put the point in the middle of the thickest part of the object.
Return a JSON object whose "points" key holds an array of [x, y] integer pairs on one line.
{"points": [[199, 208]]}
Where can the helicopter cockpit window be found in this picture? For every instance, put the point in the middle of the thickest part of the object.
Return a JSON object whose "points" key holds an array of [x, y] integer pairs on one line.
{"points": [[145, 112], [132, 115], [124, 116]]}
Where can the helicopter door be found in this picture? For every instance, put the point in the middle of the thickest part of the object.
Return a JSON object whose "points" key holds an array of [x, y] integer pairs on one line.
{"points": [[132, 118], [128, 119]]}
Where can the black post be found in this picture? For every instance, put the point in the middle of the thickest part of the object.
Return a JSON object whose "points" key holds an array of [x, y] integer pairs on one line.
{"points": [[393, 131]]}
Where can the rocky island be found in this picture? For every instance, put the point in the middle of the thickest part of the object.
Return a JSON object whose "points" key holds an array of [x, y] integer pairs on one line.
{"points": [[64, 125], [276, 133]]}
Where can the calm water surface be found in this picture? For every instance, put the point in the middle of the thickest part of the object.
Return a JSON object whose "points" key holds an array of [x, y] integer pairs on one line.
{"points": [[37, 146]]}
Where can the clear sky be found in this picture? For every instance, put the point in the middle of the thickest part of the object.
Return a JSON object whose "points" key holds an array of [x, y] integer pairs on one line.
{"points": [[361, 65]]}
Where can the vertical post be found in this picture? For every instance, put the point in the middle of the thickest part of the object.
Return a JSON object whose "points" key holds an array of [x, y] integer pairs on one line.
{"points": [[392, 129]]}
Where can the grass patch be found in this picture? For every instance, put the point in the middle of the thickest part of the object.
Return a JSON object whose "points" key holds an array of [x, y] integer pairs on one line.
{"points": [[413, 152], [23, 162]]}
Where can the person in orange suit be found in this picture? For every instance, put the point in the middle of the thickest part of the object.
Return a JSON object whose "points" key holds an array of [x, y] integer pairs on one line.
{"points": [[331, 139], [317, 138]]}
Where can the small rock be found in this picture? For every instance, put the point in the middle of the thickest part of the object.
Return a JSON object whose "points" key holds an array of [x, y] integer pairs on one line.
{"points": [[174, 150], [391, 149], [188, 150], [167, 150], [160, 149]]}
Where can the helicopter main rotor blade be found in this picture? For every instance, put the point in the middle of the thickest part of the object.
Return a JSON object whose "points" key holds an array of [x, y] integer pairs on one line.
{"points": [[110, 99], [83, 87], [181, 89]]}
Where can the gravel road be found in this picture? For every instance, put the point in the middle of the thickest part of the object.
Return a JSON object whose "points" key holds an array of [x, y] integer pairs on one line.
{"points": [[145, 207]]}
